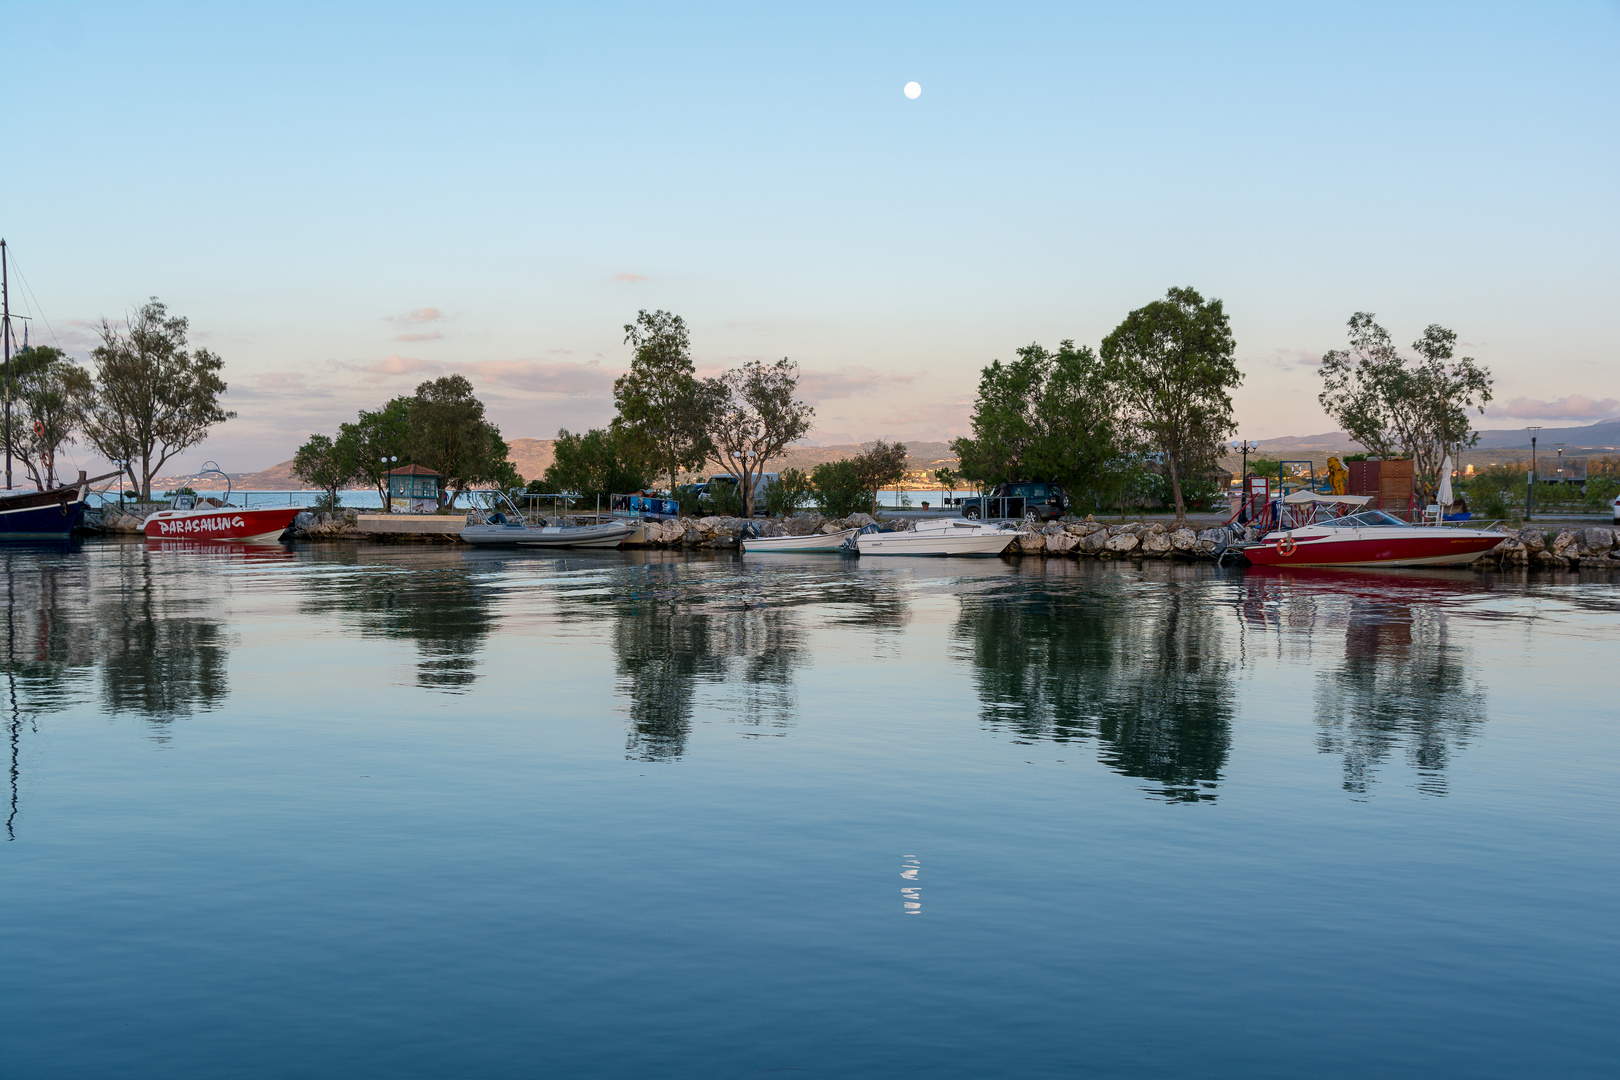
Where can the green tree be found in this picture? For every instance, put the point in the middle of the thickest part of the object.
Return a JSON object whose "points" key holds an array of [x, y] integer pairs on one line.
{"points": [[753, 416], [377, 435], [46, 389], [839, 490], [790, 491], [878, 466], [1045, 415], [599, 462], [1171, 366], [324, 462], [449, 434], [660, 401], [1394, 406], [151, 396]]}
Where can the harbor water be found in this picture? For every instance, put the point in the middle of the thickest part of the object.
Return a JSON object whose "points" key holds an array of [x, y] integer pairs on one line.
{"points": [[427, 811]]}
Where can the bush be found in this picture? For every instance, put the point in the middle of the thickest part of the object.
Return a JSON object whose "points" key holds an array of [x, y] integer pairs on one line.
{"points": [[839, 488], [725, 500], [1600, 492], [790, 492]]}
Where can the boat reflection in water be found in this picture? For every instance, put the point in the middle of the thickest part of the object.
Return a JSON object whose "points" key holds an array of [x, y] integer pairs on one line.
{"points": [[1403, 684]]}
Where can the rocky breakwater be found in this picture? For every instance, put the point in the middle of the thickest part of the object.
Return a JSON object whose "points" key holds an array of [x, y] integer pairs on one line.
{"points": [[1591, 548], [130, 518], [320, 525], [724, 532], [1126, 539]]}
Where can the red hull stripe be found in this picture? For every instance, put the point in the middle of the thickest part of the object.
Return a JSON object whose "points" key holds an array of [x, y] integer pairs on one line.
{"points": [[223, 524], [1383, 550]]}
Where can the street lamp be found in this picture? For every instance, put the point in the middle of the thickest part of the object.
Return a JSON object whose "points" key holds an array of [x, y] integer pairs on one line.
{"points": [[388, 502], [1561, 462], [1243, 446], [1530, 493]]}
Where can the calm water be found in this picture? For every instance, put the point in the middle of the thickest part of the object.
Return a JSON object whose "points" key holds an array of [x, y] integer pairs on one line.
{"points": [[431, 812]]}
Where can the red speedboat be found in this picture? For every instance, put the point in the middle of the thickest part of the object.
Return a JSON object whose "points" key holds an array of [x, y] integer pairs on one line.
{"points": [[191, 517], [1370, 538]]}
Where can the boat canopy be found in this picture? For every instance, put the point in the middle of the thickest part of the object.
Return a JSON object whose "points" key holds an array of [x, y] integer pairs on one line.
{"points": [[1298, 498], [1364, 520]]}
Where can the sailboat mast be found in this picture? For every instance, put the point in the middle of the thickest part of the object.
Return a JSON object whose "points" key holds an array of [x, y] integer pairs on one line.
{"points": [[5, 332]]}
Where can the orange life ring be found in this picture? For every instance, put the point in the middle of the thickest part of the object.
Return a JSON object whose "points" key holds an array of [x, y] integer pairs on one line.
{"points": [[1285, 546], [39, 429]]}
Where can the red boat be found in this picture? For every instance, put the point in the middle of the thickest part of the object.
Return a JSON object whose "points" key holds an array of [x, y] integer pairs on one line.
{"points": [[1370, 538], [191, 517]]}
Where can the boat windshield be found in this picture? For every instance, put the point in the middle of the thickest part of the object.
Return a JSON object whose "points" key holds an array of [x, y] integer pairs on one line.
{"points": [[1363, 520]]}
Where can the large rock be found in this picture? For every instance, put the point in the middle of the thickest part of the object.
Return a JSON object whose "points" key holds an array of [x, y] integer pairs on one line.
{"points": [[858, 521], [1156, 527], [1183, 539], [1533, 538], [1565, 546], [1125, 528], [1031, 543], [1122, 543], [1061, 542], [1596, 540], [1094, 542], [1156, 544]]}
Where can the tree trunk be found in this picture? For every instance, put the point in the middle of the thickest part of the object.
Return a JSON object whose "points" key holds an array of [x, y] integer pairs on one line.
{"points": [[1175, 488]]}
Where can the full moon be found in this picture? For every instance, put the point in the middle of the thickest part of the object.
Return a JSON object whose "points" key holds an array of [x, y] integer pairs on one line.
{"points": [[913, 90]]}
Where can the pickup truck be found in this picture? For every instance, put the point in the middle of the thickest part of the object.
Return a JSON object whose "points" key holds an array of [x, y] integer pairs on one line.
{"points": [[1030, 500]]}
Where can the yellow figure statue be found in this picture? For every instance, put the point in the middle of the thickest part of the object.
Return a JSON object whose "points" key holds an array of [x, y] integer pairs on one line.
{"points": [[1338, 475]]}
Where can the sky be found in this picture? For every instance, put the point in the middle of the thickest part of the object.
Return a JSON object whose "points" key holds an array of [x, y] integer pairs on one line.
{"points": [[346, 199]]}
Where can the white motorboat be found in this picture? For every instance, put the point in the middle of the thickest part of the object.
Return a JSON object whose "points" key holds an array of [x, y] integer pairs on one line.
{"points": [[503, 533], [939, 536], [817, 543]]}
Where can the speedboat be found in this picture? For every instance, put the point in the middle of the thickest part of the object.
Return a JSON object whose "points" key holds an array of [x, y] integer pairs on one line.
{"points": [[823, 543], [192, 517], [939, 536], [1370, 538], [500, 532]]}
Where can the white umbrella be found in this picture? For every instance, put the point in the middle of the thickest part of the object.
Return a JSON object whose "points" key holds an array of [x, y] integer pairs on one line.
{"points": [[1445, 498]]}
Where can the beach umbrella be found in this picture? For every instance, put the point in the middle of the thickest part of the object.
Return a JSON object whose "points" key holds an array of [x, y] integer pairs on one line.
{"points": [[1445, 498]]}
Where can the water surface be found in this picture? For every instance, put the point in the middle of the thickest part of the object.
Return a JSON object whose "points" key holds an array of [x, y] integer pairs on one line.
{"points": [[423, 811]]}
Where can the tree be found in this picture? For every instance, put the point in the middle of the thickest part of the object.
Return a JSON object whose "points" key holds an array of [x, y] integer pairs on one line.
{"points": [[325, 463], [151, 397], [881, 464], [660, 400], [448, 433], [1045, 415], [791, 491], [47, 389], [599, 462], [374, 436], [754, 415], [1397, 407], [839, 491], [1171, 365]]}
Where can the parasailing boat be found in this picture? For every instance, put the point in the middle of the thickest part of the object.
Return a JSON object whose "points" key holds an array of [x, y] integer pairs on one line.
{"points": [[192, 517]]}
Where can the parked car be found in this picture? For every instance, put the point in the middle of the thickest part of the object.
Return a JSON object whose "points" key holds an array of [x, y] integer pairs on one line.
{"points": [[1030, 500], [707, 491]]}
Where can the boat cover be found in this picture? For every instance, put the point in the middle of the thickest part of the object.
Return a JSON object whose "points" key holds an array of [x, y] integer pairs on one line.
{"points": [[1299, 498]]}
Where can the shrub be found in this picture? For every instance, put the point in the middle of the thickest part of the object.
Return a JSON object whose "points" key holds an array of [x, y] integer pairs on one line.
{"points": [[787, 494], [839, 488]]}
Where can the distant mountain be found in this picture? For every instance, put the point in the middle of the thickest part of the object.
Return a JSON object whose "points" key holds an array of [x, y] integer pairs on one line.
{"points": [[1603, 436]]}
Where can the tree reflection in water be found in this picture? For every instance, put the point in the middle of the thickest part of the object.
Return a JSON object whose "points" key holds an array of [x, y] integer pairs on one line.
{"points": [[729, 638], [429, 596], [1402, 682], [1141, 671]]}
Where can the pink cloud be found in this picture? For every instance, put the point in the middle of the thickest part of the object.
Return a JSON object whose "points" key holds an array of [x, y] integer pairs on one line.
{"points": [[849, 382], [416, 315], [1572, 407], [400, 365], [628, 277], [560, 378]]}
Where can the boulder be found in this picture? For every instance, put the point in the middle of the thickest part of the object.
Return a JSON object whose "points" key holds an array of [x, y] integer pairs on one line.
{"points": [[1533, 538], [1094, 542], [1121, 543], [1565, 546], [1205, 548], [1183, 539], [1124, 528], [858, 521], [1596, 540], [1156, 544], [1511, 552], [1156, 527], [1030, 543], [1061, 542]]}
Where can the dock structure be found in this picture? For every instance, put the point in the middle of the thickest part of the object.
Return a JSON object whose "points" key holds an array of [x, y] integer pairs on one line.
{"points": [[424, 526]]}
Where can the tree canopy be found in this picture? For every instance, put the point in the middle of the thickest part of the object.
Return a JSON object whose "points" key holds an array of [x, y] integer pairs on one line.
{"points": [[1394, 406], [599, 462], [449, 434], [753, 416], [375, 435], [152, 397], [324, 462], [48, 390], [660, 401], [1043, 415], [1170, 365]]}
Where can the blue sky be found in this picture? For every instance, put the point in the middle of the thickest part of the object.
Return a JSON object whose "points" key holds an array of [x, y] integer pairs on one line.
{"points": [[346, 199]]}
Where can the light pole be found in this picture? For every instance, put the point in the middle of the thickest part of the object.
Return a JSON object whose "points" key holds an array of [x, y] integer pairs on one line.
{"points": [[1560, 462], [388, 503], [1530, 493]]}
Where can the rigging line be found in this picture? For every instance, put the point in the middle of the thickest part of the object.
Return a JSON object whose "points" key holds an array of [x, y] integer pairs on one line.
{"points": [[30, 290]]}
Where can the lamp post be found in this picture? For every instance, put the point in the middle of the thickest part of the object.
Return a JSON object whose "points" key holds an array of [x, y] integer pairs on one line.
{"points": [[388, 502], [1560, 462], [1530, 493]]}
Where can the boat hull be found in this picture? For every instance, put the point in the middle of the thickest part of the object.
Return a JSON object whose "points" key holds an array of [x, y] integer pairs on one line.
{"points": [[42, 515], [222, 523], [815, 543], [1391, 547], [609, 535], [949, 539]]}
